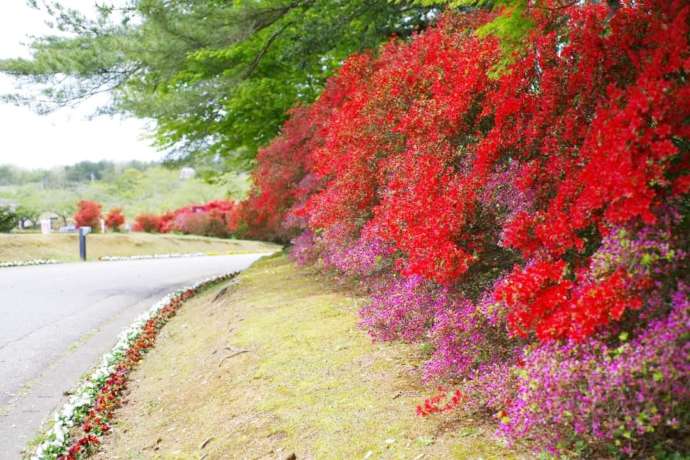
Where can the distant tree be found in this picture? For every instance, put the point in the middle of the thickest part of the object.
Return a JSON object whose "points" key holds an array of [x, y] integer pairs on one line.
{"points": [[27, 214], [88, 214], [87, 171], [61, 202], [115, 219], [8, 219], [8, 175]]}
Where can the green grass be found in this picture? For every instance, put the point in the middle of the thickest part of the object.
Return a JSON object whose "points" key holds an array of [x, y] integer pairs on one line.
{"points": [[65, 247], [278, 365]]}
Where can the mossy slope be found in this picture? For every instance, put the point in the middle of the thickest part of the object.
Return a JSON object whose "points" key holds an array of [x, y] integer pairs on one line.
{"points": [[276, 365]]}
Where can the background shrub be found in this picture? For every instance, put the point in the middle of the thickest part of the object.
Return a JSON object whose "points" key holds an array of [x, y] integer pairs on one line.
{"points": [[148, 223], [88, 215], [114, 220], [8, 219]]}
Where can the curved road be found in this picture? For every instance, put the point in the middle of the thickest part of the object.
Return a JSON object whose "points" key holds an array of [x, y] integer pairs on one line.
{"points": [[57, 320]]}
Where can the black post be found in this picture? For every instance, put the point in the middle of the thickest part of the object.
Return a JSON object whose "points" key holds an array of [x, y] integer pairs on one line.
{"points": [[82, 244]]}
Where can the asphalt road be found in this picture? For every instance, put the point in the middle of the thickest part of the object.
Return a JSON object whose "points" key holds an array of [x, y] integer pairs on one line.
{"points": [[57, 320]]}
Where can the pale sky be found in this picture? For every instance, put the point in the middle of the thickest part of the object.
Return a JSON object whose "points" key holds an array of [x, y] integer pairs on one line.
{"points": [[65, 137]]}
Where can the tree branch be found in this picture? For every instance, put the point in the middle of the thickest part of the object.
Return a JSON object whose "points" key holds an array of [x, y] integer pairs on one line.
{"points": [[257, 59]]}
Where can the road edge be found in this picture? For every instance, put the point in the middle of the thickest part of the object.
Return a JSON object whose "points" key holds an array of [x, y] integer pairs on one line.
{"points": [[92, 402]]}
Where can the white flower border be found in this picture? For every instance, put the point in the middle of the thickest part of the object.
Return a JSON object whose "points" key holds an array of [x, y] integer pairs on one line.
{"points": [[25, 263], [152, 256], [57, 438]]}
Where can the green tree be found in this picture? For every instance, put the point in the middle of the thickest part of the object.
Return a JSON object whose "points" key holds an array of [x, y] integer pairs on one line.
{"points": [[27, 214], [86, 171], [58, 200], [217, 76], [8, 219], [8, 175]]}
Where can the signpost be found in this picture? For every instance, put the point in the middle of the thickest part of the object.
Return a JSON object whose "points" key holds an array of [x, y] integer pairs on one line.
{"points": [[83, 231]]}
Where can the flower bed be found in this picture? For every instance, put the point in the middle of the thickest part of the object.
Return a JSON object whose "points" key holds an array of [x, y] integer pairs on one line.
{"points": [[25, 263], [151, 256], [87, 416]]}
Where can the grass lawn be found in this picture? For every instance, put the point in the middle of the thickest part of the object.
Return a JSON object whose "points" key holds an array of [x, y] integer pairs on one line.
{"points": [[65, 247], [276, 365]]}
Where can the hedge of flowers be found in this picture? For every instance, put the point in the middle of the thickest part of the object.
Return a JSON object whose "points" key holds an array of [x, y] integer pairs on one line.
{"points": [[24, 263], [218, 218], [87, 416], [530, 227]]}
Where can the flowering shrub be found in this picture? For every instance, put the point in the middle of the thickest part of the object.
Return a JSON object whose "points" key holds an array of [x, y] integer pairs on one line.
{"points": [[201, 223], [303, 249], [404, 309], [435, 404], [518, 225], [88, 215], [597, 394], [279, 166], [149, 223], [217, 218], [114, 219]]}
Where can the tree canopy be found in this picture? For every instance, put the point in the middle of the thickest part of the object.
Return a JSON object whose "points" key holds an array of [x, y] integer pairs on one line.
{"points": [[218, 77]]}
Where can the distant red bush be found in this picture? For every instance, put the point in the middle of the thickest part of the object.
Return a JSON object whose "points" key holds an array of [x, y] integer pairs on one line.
{"points": [[88, 214], [149, 223], [217, 218], [167, 220], [114, 219]]}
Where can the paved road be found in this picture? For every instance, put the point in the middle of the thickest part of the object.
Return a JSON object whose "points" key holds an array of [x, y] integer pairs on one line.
{"points": [[57, 320]]}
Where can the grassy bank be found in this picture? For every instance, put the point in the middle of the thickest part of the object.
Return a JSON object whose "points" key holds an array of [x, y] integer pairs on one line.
{"points": [[276, 365], [65, 247]]}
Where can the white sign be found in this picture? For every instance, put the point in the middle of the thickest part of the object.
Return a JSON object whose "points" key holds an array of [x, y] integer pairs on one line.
{"points": [[45, 226]]}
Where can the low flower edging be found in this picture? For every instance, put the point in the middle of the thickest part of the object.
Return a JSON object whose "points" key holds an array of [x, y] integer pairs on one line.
{"points": [[151, 256], [25, 263], [86, 417]]}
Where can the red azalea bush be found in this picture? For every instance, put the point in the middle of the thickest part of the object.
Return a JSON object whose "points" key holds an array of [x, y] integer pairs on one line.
{"points": [[88, 215], [166, 221], [149, 223], [114, 219], [201, 223], [218, 218], [519, 225]]}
